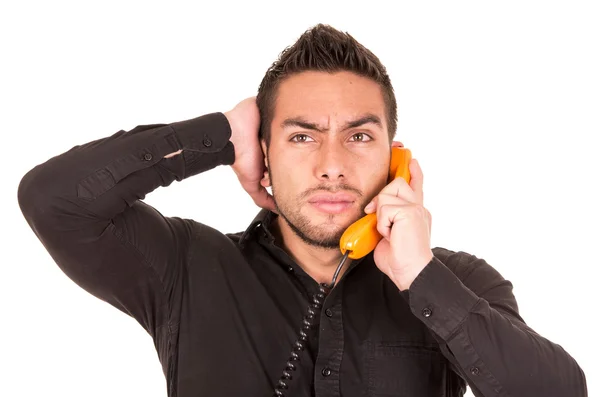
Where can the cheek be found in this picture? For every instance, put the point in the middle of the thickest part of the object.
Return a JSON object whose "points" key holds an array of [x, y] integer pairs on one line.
{"points": [[287, 182], [380, 181]]}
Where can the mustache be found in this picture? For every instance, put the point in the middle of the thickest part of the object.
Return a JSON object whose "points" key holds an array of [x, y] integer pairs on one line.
{"points": [[343, 187]]}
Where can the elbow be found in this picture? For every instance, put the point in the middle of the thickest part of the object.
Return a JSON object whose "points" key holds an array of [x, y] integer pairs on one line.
{"points": [[34, 194], [573, 381], [553, 373], [28, 192], [573, 386], [568, 382], [567, 379], [579, 387]]}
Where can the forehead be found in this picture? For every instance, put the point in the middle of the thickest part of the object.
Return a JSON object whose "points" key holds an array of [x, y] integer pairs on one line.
{"points": [[322, 95]]}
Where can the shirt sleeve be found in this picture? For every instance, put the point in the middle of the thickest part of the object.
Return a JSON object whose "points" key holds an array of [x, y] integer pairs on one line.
{"points": [[85, 207], [474, 316]]}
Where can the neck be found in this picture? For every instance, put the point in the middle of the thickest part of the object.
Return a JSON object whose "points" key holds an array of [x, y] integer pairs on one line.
{"points": [[318, 262]]}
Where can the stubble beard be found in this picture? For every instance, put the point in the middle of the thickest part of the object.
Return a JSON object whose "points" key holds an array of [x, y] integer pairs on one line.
{"points": [[326, 235]]}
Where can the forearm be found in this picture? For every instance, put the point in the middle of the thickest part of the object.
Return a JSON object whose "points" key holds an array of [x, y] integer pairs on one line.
{"points": [[106, 175], [83, 206], [496, 352]]}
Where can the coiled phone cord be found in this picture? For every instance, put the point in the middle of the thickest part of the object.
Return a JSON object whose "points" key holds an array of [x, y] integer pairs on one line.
{"points": [[313, 309]]}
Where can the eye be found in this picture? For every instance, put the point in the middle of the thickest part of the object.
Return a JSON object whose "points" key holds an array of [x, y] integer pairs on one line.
{"points": [[361, 136], [299, 140]]}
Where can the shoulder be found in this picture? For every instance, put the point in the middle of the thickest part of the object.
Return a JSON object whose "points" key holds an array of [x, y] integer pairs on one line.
{"points": [[235, 237], [207, 239]]}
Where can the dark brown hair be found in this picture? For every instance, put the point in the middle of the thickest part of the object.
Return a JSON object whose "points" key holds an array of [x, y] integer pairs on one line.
{"points": [[323, 48]]}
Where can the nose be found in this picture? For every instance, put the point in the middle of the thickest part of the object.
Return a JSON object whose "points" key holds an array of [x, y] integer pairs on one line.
{"points": [[331, 163]]}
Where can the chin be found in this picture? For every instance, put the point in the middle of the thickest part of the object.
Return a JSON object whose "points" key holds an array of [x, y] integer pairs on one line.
{"points": [[335, 223]]}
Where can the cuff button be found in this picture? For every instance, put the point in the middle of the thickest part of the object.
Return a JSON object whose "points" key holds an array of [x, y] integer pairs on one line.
{"points": [[207, 142], [426, 312], [148, 156]]}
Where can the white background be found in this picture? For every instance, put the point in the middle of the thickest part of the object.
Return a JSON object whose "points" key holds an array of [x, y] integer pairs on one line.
{"points": [[499, 102]]}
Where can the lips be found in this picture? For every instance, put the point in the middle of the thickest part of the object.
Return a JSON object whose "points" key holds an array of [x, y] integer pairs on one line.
{"points": [[332, 203], [332, 198]]}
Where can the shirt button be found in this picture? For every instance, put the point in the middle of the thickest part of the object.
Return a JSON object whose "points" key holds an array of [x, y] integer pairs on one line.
{"points": [[148, 156], [289, 269], [426, 312], [328, 312], [207, 142], [326, 371], [475, 370]]}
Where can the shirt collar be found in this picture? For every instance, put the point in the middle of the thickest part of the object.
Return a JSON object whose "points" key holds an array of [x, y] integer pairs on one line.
{"points": [[260, 223]]}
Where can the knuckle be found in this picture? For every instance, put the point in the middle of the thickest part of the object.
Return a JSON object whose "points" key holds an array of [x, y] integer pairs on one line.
{"points": [[381, 229], [384, 209]]}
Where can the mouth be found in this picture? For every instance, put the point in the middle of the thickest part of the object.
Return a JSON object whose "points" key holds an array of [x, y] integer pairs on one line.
{"points": [[332, 203], [332, 207]]}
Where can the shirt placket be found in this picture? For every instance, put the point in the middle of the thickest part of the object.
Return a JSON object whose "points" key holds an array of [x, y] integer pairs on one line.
{"points": [[331, 346]]}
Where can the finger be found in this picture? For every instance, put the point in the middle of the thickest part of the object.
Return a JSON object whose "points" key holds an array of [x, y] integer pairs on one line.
{"points": [[386, 216], [398, 187], [416, 179], [397, 144], [385, 199], [260, 195], [429, 220], [264, 200], [371, 206]]}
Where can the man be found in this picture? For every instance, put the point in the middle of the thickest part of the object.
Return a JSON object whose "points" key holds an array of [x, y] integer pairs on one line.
{"points": [[227, 311]]}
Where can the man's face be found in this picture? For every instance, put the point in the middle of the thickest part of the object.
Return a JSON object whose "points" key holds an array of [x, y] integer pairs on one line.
{"points": [[329, 152]]}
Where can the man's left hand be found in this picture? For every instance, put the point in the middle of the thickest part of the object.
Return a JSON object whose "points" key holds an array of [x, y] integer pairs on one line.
{"points": [[405, 225]]}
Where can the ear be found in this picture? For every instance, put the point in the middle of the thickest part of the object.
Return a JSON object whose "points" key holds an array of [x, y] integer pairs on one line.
{"points": [[263, 145], [265, 181]]}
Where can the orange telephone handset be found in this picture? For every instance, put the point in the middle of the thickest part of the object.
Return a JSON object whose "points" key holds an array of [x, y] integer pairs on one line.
{"points": [[362, 236]]}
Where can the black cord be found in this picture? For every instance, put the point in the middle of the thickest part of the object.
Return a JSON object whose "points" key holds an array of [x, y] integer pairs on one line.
{"points": [[313, 312]]}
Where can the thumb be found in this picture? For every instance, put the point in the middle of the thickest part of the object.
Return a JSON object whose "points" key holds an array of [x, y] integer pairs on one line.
{"points": [[372, 206]]}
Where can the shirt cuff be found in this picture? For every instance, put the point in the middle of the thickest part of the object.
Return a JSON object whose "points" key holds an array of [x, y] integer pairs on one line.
{"points": [[440, 299], [206, 134]]}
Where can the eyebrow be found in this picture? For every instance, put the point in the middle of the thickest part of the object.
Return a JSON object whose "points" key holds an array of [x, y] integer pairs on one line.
{"points": [[302, 123]]}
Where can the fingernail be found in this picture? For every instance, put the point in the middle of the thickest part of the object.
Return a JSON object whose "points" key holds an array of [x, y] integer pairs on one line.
{"points": [[370, 206]]}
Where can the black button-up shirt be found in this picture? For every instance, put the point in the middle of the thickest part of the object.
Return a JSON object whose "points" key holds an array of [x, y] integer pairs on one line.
{"points": [[224, 310]]}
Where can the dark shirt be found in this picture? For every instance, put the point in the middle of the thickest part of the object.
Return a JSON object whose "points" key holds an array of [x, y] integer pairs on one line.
{"points": [[224, 310]]}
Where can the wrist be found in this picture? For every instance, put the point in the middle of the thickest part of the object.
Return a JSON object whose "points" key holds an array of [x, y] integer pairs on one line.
{"points": [[235, 136], [230, 116], [404, 281], [405, 278]]}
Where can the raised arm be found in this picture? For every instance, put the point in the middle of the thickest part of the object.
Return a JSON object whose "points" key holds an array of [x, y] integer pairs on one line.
{"points": [[84, 206], [474, 316]]}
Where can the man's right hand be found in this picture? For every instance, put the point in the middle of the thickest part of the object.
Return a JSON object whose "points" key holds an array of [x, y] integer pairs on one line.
{"points": [[249, 165]]}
